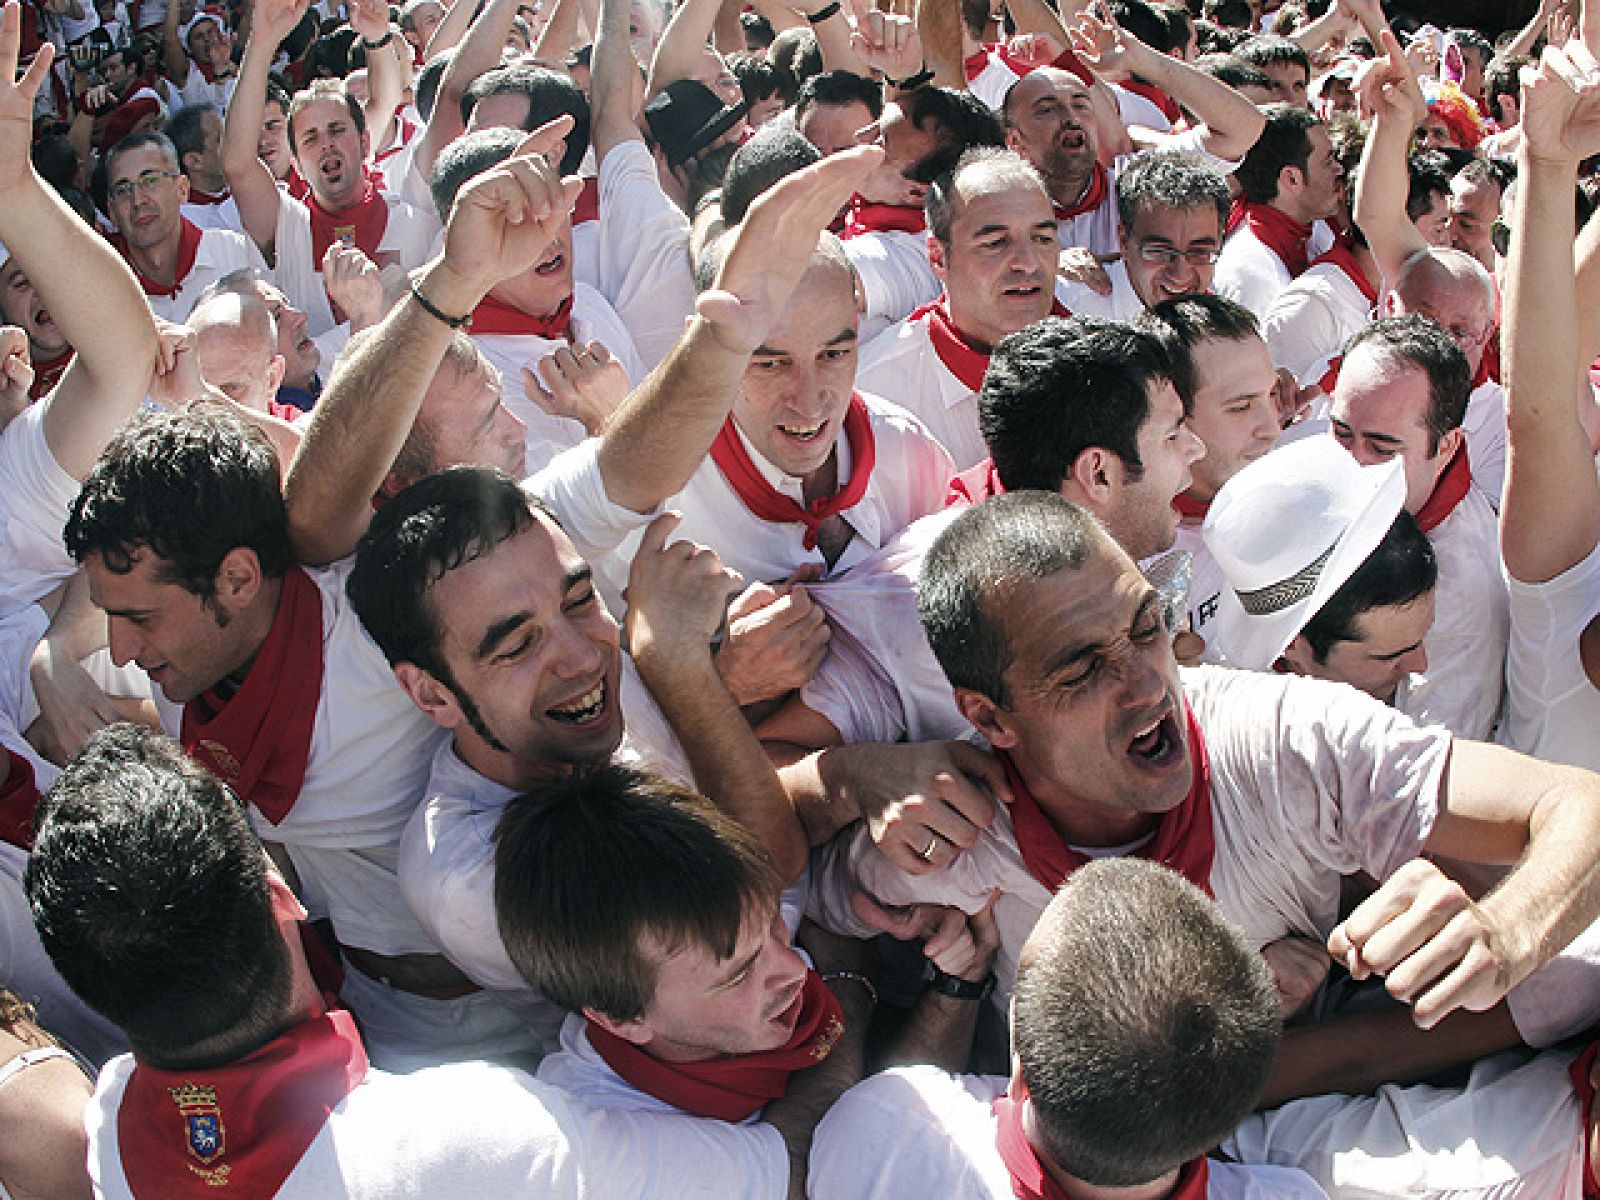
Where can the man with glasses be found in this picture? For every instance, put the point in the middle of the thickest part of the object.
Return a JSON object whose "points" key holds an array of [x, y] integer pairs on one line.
{"points": [[1171, 207], [174, 259]]}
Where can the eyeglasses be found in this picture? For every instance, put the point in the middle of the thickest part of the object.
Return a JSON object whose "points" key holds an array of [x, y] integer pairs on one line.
{"points": [[1500, 235], [124, 189], [1166, 256]]}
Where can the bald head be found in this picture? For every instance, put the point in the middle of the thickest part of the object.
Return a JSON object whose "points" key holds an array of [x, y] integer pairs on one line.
{"points": [[236, 346], [1453, 288]]}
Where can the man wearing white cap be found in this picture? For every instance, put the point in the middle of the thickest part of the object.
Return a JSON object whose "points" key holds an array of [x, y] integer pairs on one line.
{"points": [[1325, 573]]}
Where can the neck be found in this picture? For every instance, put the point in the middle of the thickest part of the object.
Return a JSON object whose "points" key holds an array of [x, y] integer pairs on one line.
{"points": [[158, 263], [507, 770], [43, 354], [1069, 187], [527, 293], [1084, 823], [213, 184], [1289, 209], [1157, 1189], [258, 621], [979, 339], [332, 202], [824, 481], [224, 1048]]}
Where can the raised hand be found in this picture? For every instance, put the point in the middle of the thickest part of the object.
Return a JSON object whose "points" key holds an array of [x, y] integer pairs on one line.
{"points": [[274, 20], [16, 100], [886, 42], [369, 18], [1561, 103], [1387, 87], [676, 596], [1104, 46], [355, 285], [16, 373]]}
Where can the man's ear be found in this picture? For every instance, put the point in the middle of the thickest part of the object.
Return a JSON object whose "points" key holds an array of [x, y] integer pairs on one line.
{"points": [[437, 702], [639, 1031], [1450, 443], [1095, 474], [275, 370], [987, 717], [1291, 180], [1296, 658], [936, 258], [238, 579]]}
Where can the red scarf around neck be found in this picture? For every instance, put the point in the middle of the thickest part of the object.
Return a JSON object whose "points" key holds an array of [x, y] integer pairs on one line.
{"points": [[1579, 1074], [242, 1127], [587, 207], [209, 199], [1029, 1179], [960, 357], [1343, 256], [1276, 230], [188, 249], [258, 740], [19, 797], [1184, 839], [48, 372], [362, 225], [974, 485], [1189, 508], [1451, 489], [866, 217], [1093, 197], [297, 185], [737, 1087], [495, 316], [768, 503]]}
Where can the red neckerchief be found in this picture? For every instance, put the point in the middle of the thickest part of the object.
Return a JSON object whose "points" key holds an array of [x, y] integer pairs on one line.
{"points": [[196, 196], [587, 207], [243, 1126], [974, 485], [297, 185], [48, 373], [19, 797], [1489, 364], [1579, 1073], [866, 217], [493, 316], [960, 357], [1184, 839], [976, 63], [257, 741], [361, 225], [1189, 508], [1342, 255], [1029, 1179], [1168, 106], [188, 248], [1454, 483], [1093, 197], [1276, 230], [768, 503], [734, 1088]]}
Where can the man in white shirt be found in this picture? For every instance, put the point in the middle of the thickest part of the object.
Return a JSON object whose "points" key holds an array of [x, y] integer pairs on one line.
{"points": [[196, 134], [1402, 392], [1113, 1086]]}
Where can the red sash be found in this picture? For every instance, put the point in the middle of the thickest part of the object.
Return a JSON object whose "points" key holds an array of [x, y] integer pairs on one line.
{"points": [[243, 1126], [1168, 106], [493, 316], [1184, 838], [361, 225], [587, 207], [19, 797], [258, 740], [1276, 230], [48, 373], [1450, 491], [1579, 1073], [768, 503], [1029, 1179], [196, 196], [1343, 256], [865, 217], [1099, 188], [738, 1086], [188, 247], [1189, 508], [974, 485]]}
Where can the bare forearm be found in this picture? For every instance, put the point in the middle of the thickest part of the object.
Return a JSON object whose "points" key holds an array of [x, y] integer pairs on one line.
{"points": [[1233, 122], [813, 1092], [1380, 202], [611, 81], [681, 43], [939, 1032], [560, 35], [448, 35], [479, 52], [833, 39]]}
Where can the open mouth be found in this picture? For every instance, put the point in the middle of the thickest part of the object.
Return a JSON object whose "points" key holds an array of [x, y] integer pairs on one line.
{"points": [[803, 433], [585, 708], [1157, 744], [1023, 291]]}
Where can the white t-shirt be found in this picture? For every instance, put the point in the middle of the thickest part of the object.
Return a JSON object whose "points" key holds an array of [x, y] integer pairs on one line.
{"points": [[896, 277], [1312, 318], [918, 1131], [1123, 304], [214, 216], [1206, 583], [902, 366], [466, 1129], [1485, 430], [1515, 1130], [197, 89], [35, 497], [1251, 274], [221, 252]]}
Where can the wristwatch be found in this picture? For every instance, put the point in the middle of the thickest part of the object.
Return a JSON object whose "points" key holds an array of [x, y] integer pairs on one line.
{"points": [[956, 987]]}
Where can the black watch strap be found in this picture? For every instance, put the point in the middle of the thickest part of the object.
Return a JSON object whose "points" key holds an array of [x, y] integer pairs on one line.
{"points": [[956, 987]]}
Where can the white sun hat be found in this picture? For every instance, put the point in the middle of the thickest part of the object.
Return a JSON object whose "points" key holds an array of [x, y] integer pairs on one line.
{"points": [[1287, 532]]}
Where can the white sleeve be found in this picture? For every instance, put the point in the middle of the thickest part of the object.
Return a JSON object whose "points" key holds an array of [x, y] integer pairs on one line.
{"points": [[627, 1154], [572, 486], [1301, 331], [894, 281], [38, 495]]}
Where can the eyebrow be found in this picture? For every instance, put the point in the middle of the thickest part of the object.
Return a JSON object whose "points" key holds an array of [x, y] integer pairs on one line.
{"points": [[499, 631], [1077, 653], [739, 968], [1398, 653]]}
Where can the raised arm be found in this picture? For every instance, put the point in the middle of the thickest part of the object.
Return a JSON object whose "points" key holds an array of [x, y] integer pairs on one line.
{"points": [[614, 82], [1530, 33], [1231, 123], [448, 35], [254, 189], [174, 53], [501, 220], [685, 37], [386, 84], [480, 51], [560, 35], [84, 282], [1389, 91]]}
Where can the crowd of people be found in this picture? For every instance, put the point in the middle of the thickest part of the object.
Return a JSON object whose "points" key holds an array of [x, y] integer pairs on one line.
{"points": [[798, 599]]}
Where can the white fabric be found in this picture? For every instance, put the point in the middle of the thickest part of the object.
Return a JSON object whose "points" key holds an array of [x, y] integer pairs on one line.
{"points": [[221, 252], [1251, 274], [917, 1131], [1123, 304], [1513, 1131], [1206, 582], [1466, 648], [407, 240], [902, 366], [467, 1129], [750, 1159], [1485, 430], [993, 82], [1310, 781], [214, 216], [895, 275], [593, 320], [35, 498], [403, 178], [1552, 708], [1312, 318], [196, 89], [447, 854]]}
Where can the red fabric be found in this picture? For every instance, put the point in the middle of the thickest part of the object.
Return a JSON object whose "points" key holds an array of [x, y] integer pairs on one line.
{"points": [[736, 1087], [284, 412], [1184, 840], [1343, 256], [960, 357], [1189, 508], [766, 502], [19, 797], [257, 741], [188, 247], [973, 65], [361, 225], [243, 1126], [1168, 106], [48, 373], [1330, 377], [1029, 1179], [882, 218], [119, 122], [492, 316], [297, 185], [1448, 492], [1093, 198], [974, 485], [587, 207], [196, 196], [408, 130], [1489, 364], [1579, 1073], [1278, 231]]}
